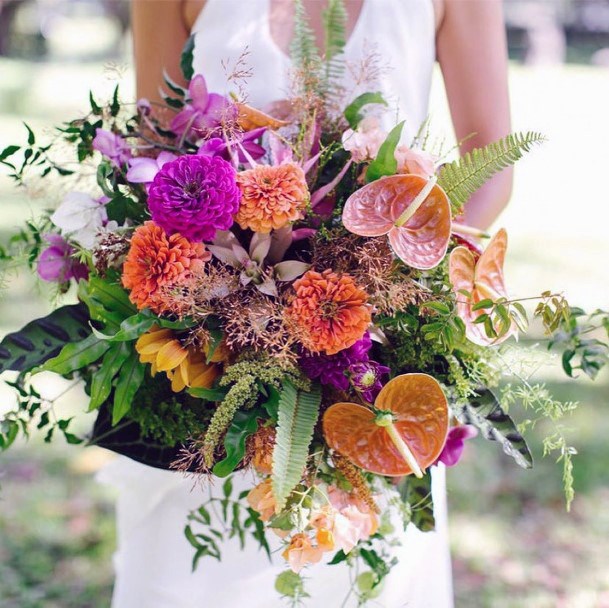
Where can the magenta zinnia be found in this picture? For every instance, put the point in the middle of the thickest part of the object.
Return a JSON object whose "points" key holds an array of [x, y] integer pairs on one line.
{"points": [[195, 196]]}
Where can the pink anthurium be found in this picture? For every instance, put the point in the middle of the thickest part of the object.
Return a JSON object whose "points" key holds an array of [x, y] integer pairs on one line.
{"points": [[414, 212], [483, 278]]}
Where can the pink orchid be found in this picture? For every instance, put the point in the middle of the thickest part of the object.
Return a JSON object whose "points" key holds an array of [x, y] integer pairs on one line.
{"points": [[142, 169], [365, 141], [112, 146], [205, 112], [455, 443]]}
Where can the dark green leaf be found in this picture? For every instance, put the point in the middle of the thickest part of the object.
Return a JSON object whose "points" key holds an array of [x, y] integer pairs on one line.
{"points": [[244, 424], [484, 411], [44, 338], [101, 385], [115, 106], [385, 162], [94, 107], [208, 394], [8, 151], [186, 58], [130, 378], [353, 112], [76, 355], [31, 138]]}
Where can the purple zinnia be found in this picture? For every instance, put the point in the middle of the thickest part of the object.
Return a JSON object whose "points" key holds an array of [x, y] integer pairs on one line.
{"points": [[194, 195], [56, 262], [365, 378], [331, 369], [455, 442]]}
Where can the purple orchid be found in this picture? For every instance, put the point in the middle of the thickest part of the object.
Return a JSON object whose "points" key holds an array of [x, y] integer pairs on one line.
{"points": [[455, 443], [142, 170], [112, 146], [365, 377], [205, 112], [332, 369], [56, 263], [241, 146]]}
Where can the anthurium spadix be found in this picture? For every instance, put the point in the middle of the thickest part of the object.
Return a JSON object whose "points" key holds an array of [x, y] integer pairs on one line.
{"points": [[483, 279], [403, 434], [414, 212]]}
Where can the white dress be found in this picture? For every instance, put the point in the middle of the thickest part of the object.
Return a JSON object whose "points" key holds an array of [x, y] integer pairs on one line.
{"points": [[153, 559]]}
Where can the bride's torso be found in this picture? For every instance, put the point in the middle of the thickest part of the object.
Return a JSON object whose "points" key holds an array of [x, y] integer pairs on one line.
{"points": [[392, 41]]}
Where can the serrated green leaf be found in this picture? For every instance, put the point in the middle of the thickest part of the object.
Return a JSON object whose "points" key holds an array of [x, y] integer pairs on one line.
{"points": [[298, 413], [485, 412], [385, 162], [353, 112], [101, 384], [76, 355], [130, 378], [44, 338]]}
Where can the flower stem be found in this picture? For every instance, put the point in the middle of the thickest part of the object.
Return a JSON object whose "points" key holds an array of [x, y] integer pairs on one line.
{"points": [[417, 202]]}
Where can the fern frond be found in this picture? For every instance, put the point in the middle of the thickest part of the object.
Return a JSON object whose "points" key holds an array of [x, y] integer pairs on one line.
{"points": [[461, 178], [335, 21], [298, 413], [303, 49]]}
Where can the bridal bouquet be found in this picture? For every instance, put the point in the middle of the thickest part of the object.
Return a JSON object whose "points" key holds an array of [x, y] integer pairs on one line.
{"points": [[291, 293]]}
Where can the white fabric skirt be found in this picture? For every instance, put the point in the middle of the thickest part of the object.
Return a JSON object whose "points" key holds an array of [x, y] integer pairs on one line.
{"points": [[153, 561]]}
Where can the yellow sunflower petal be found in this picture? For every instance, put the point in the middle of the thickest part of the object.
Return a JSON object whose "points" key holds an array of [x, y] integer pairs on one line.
{"points": [[170, 356], [151, 342], [203, 376]]}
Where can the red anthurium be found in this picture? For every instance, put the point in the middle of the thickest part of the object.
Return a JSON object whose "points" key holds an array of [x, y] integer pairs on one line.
{"points": [[413, 211]]}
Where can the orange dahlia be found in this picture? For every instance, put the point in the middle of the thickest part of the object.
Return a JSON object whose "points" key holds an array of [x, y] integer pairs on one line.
{"points": [[156, 261], [330, 311], [271, 197]]}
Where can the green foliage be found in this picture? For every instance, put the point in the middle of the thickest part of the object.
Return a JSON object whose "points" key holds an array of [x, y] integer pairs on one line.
{"points": [[75, 356], [353, 112], [107, 301], [298, 413], [291, 585], [334, 20], [484, 411], [461, 178], [130, 377], [234, 521], [244, 424], [445, 328], [303, 49], [32, 411], [537, 399], [416, 497], [581, 350], [385, 162], [43, 338], [186, 59]]}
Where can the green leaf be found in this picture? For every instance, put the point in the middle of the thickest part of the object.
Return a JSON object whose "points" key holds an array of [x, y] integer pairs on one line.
{"points": [[31, 138], [290, 584], [244, 424], [416, 493], [213, 395], [8, 151], [115, 105], [76, 355], [461, 178], [130, 378], [44, 338], [107, 302], [94, 107], [353, 112], [484, 411], [101, 385], [271, 405], [298, 413], [486, 303], [186, 59], [385, 162]]}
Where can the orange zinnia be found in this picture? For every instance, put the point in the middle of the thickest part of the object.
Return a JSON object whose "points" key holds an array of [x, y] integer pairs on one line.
{"points": [[330, 310], [271, 197], [156, 261]]}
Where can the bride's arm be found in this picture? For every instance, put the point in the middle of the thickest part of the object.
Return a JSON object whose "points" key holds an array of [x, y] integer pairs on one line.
{"points": [[160, 29], [472, 51]]}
